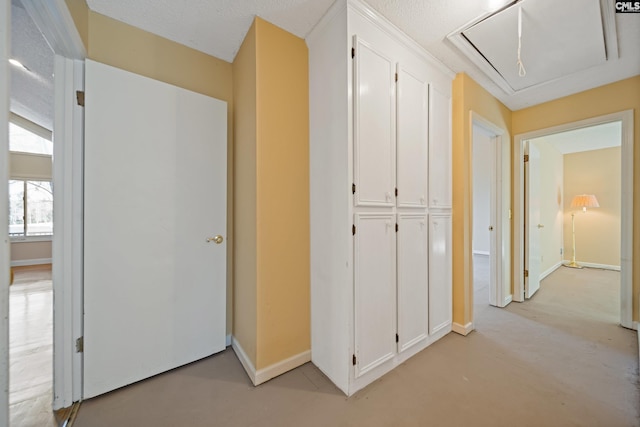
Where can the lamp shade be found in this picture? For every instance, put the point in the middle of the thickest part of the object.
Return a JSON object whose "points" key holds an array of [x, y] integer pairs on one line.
{"points": [[585, 201]]}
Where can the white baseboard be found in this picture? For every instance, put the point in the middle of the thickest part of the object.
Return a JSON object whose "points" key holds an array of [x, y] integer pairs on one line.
{"points": [[462, 330], [244, 360], [551, 270], [483, 253], [265, 374], [228, 341], [25, 262], [594, 265], [508, 300]]}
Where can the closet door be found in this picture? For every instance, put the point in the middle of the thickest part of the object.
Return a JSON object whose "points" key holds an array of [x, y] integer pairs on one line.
{"points": [[375, 290], [412, 137], [413, 289], [439, 149], [440, 302], [374, 126]]}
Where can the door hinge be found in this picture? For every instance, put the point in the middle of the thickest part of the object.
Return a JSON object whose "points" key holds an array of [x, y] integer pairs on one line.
{"points": [[396, 76], [526, 158], [353, 229], [396, 227], [353, 52], [80, 97], [80, 345], [353, 360], [526, 273], [353, 188], [396, 191], [397, 338]]}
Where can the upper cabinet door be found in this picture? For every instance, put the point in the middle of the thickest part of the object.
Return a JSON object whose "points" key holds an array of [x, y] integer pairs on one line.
{"points": [[413, 137], [439, 149], [374, 126]]}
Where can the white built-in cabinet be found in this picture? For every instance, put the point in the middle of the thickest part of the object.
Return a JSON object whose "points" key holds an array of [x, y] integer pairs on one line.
{"points": [[380, 188]]}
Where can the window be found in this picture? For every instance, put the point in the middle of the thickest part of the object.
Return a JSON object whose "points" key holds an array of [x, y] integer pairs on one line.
{"points": [[25, 141], [30, 208]]}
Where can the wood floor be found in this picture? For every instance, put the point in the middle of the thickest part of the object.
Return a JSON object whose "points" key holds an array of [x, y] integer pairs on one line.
{"points": [[559, 359], [31, 349]]}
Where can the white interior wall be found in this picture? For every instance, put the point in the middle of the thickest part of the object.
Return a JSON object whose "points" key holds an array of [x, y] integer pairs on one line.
{"points": [[481, 190]]}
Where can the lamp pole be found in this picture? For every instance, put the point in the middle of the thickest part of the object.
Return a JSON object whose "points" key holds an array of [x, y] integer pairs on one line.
{"points": [[573, 263]]}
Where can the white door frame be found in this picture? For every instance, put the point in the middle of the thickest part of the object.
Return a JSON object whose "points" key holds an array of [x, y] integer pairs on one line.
{"points": [[626, 214], [56, 24], [499, 258]]}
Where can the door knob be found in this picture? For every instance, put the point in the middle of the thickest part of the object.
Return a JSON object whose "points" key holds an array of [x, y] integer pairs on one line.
{"points": [[217, 239], [491, 228], [540, 225]]}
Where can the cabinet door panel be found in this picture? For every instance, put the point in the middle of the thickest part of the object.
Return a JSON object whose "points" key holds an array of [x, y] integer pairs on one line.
{"points": [[440, 298], [412, 138], [375, 290], [439, 149], [413, 298], [374, 127]]}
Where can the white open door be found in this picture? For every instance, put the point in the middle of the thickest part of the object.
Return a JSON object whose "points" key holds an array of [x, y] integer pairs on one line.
{"points": [[155, 214], [532, 222]]}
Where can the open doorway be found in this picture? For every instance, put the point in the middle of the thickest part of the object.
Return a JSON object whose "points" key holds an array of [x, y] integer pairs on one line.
{"points": [[597, 163]]}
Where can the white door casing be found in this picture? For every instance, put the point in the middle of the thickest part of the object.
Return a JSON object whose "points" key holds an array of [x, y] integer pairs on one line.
{"points": [[155, 192], [532, 222]]}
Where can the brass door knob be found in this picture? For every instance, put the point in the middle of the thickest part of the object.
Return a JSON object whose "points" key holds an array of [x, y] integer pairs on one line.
{"points": [[540, 225], [217, 239]]}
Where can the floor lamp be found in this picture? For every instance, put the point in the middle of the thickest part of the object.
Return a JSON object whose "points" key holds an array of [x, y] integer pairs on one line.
{"points": [[583, 201]]}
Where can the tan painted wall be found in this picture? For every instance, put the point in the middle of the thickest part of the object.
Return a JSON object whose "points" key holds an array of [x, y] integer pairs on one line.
{"points": [[129, 48], [282, 195], [611, 98], [598, 230], [469, 96], [24, 251], [245, 281], [551, 208]]}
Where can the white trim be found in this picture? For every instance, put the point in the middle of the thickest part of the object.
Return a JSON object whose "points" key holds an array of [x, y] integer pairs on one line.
{"points": [[244, 360], [551, 269], [462, 330], [227, 341], [481, 253], [26, 262], [265, 374], [31, 239], [595, 265], [508, 300], [626, 212], [30, 126]]}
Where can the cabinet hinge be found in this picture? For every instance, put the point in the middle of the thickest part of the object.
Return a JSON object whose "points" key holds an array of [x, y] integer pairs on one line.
{"points": [[353, 360], [526, 273], [353, 52], [353, 188], [396, 191], [80, 97], [397, 338], [80, 345], [396, 76], [526, 158], [353, 229], [396, 227]]}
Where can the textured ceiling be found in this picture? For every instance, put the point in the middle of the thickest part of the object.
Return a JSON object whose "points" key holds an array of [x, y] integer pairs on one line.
{"points": [[585, 139], [32, 90]]}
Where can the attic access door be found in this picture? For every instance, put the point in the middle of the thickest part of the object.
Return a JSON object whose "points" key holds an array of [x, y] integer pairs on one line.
{"points": [[154, 215]]}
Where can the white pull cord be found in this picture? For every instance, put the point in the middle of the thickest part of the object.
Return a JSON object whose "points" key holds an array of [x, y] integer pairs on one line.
{"points": [[521, 71]]}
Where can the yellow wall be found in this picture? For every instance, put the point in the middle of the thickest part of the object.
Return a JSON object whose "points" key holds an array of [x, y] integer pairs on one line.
{"points": [[611, 98], [598, 230], [468, 96], [282, 195], [244, 92], [129, 48]]}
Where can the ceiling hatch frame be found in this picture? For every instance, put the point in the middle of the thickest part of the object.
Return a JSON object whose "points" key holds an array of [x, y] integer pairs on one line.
{"points": [[471, 53]]}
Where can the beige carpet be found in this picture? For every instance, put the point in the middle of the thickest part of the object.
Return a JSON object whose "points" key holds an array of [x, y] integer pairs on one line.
{"points": [[559, 359]]}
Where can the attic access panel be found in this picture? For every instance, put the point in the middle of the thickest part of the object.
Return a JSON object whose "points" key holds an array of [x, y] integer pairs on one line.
{"points": [[559, 38]]}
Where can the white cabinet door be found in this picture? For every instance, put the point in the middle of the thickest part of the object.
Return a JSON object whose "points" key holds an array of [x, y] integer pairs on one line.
{"points": [[440, 302], [413, 298], [412, 137], [439, 149], [375, 290], [374, 127]]}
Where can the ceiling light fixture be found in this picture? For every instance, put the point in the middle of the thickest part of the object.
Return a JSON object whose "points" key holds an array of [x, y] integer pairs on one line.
{"points": [[18, 64], [521, 71]]}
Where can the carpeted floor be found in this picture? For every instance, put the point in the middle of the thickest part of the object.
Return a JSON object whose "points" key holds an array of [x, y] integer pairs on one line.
{"points": [[559, 359]]}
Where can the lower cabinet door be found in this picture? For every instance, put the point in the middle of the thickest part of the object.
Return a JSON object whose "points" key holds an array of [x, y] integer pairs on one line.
{"points": [[440, 297], [413, 280], [375, 290]]}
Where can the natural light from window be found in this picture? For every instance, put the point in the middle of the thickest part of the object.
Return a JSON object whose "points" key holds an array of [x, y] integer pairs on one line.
{"points": [[30, 208], [24, 141]]}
